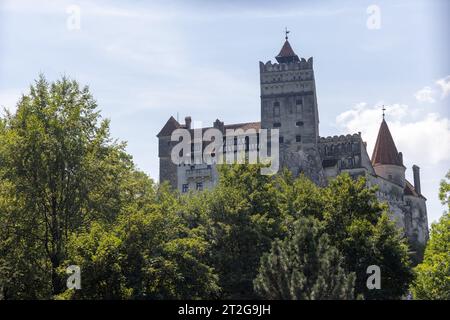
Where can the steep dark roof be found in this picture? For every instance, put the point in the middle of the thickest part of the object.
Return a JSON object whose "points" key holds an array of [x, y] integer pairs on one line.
{"points": [[169, 127], [385, 151], [287, 54], [411, 191]]}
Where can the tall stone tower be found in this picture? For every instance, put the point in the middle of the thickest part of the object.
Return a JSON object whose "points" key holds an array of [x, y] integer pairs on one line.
{"points": [[289, 103], [167, 169]]}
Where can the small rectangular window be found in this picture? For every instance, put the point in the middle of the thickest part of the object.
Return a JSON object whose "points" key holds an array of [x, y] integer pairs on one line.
{"points": [[185, 188], [276, 111], [199, 186], [277, 125], [299, 123], [298, 102], [281, 139], [298, 138]]}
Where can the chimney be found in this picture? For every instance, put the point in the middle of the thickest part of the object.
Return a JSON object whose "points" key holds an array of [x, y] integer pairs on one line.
{"points": [[416, 173], [188, 121]]}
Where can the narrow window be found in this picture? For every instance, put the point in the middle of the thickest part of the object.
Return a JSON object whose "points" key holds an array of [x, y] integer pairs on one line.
{"points": [[298, 138], [281, 139], [185, 188], [199, 186], [276, 111]]}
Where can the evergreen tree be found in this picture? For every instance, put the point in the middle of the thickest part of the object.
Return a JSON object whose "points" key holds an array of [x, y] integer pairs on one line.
{"points": [[304, 266]]}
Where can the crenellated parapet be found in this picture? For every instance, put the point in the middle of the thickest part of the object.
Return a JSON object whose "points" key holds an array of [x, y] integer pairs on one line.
{"points": [[303, 64], [341, 138], [338, 146]]}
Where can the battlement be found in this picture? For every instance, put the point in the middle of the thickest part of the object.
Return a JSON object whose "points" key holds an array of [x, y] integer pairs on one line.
{"points": [[303, 64], [356, 137]]}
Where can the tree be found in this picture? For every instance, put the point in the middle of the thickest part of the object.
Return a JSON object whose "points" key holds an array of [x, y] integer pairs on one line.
{"points": [[360, 227], [444, 191], [357, 224], [59, 170], [242, 220], [149, 253], [304, 266], [433, 274]]}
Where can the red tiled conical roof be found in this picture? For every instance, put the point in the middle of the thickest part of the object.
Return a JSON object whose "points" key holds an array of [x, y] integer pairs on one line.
{"points": [[385, 151], [286, 54]]}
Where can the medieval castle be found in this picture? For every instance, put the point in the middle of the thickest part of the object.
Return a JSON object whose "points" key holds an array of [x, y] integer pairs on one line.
{"points": [[289, 103]]}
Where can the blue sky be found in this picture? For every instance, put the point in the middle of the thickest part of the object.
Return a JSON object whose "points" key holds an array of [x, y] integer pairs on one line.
{"points": [[147, 60]]}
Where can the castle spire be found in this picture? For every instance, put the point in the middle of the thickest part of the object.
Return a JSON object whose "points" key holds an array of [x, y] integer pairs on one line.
{"points": [[385, 151], [286, 54]]}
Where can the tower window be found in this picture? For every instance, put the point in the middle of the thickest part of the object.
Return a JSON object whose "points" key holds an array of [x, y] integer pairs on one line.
{"points": [[298, 138], [277, 125], [299, 123], [276, 111]]}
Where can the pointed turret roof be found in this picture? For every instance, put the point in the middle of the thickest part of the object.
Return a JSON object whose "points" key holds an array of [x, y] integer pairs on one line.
{"points": [[287, 54], [169, 127], [385, 151]]}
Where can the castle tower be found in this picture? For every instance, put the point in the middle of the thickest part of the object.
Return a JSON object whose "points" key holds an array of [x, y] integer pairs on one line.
{"points": [[289, 103], [167, 169], [386, 160]]}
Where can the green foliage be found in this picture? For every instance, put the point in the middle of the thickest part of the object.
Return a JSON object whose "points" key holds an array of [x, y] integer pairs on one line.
{"points": [[304, 266], [433, 275], [59, 169], [70, 194], [359, 226], [444, 191], [148, 254], [243, 218]]}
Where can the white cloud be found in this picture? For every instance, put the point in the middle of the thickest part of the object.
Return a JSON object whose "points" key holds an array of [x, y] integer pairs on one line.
{"points": [[423, 138], [425, 94], [444, 84]]}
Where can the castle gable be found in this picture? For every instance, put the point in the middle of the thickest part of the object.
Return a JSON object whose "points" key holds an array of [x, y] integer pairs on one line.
{"points": [[169, 127]]}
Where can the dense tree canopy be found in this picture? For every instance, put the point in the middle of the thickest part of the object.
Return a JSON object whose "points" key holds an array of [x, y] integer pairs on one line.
{"points": [[71, 195]]}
